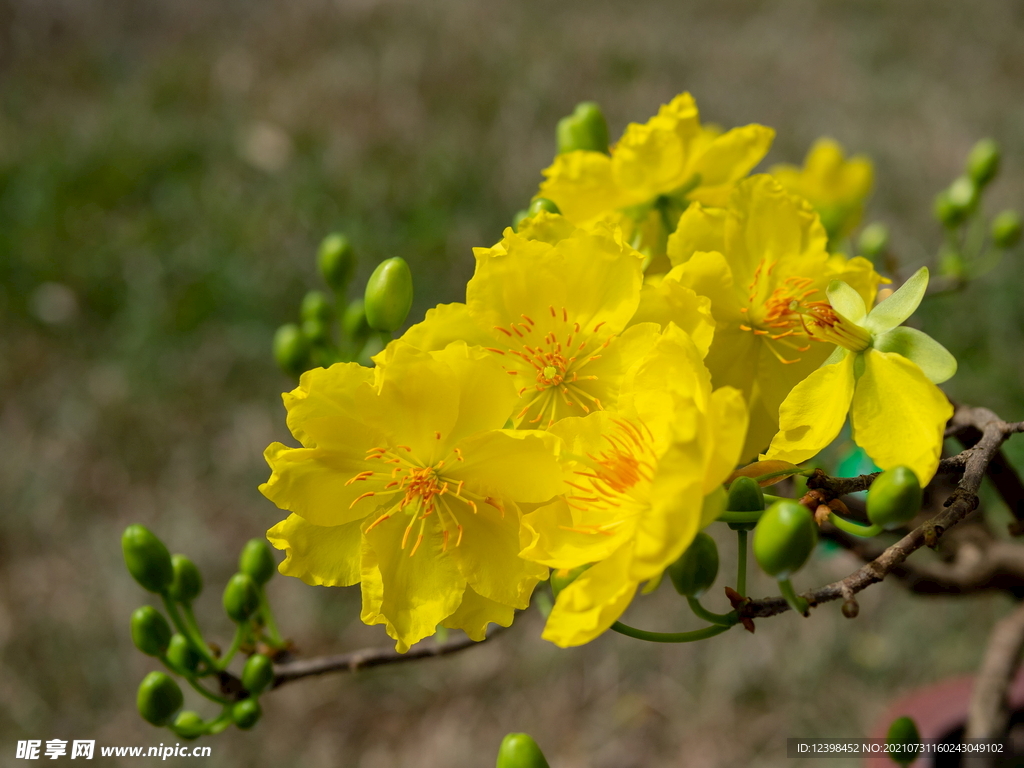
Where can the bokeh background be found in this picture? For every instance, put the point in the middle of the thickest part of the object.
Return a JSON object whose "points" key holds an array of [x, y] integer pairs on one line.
{"points": [[167, 168]]}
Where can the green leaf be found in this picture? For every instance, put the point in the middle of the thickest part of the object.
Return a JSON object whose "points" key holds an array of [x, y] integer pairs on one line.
{"points": [[846, 301], [931, 357], [894, 310]]}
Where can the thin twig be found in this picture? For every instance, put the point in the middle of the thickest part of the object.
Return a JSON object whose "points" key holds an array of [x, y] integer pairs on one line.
{"points": [[987, 716]]}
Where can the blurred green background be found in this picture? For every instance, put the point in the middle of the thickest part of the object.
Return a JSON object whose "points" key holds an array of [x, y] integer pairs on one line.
{"points": [[166, 172]]}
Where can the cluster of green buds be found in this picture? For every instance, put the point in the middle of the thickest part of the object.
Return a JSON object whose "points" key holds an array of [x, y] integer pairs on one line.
{"points": [[183, 649], [332, 328], [967, 252], [519, 750]]}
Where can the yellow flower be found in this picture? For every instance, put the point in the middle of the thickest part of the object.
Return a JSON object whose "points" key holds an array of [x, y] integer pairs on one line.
{"points": [[882, 374], [556, 306], [763, 264], [837, 188], [638, 484], [651, 173], [406, 483]]}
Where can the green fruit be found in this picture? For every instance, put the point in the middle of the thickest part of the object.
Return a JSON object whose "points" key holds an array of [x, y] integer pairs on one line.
{"points": [[585, 128], [745, 495], [784, 538], [257, 674], [187, 583], [150, 631], [257, 561], [353, 321], [189, 725], [983, 162], [539, 204], [873, 240], [158, 699], [563, 577], [519, 750], [388, 296], [694, 573], [147, 558], [241, 597], [894, 498], [903, 736], [291, 349], [1006, 229], [336, 260], [182, 655], [316, 306], [246, 713]]}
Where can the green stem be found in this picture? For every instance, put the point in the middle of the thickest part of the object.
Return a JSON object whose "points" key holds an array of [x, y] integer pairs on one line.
{"points": [[854, 529], [268, 621], [186, 630], [722, 619], [236, 641], [203, 692], [741, 562], [190, 620], [222, 721], [797, 603], [668, 637]]}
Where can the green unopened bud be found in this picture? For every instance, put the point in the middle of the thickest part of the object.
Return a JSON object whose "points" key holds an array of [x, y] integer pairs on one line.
{"points": [[539, 204], [158, 699], [894, 498], [948, 214], [784, 538], [246, 713], [189, 725], [585, 128], [983, 162], [563, 577], [257, 561], [291, 349], [353, 322], [518, 219], [316, 331], [257, 674], [874, 240], [336, 260], [147, 558], [694, 573], [315, 306], [150, 631], [241, 597], [388, 296], [187, 583], [519, 750], [1006, 229], [904, 741], [182, 656], [963, 194], [745, 495]]}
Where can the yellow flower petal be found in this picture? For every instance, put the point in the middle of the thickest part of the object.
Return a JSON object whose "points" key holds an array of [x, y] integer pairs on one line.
{"points": [[520, 465], [475, 612], [729, 158], [561, 537], [728, 419], [484, 391], [582, 186], [699, 229], [319, 555], [671, 301], [441, 326], [898, 415]]}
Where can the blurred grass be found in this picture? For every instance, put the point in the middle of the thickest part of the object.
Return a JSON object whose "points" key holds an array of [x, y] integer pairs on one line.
{"points": [[166, 170]]}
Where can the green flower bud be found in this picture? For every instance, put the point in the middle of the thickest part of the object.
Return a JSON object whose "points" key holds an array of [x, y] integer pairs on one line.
{"points": [[694, 573], [291, 349], [539, 204], [874, 240], [1006, 229], [241, 597], [353, 322], [585, 128], [187, 583], [963, 194], [784, 538], [150, 631], [315, 306], [894, 498], [518, 218], [158, 699], [246, 713], [188, 725], [388, 296], [182, 655], [316, 331], [745, 495], [257, 561], [257, 674], [336, 260], [563, 577], [903, 735], [948, 214], [983, 162], [147, 558], [519, 750]]}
